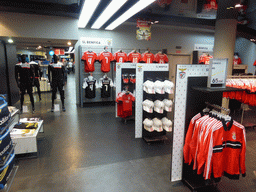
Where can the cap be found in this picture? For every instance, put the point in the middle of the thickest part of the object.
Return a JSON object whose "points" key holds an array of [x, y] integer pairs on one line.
{"points": [[159, 87], [158, 106], [157, 125], [167, 124], [148, 87], [148, 125], [148, 106], [167, 105], [168, 86]]}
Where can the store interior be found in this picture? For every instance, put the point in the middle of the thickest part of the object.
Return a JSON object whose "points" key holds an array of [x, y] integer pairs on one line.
{"points": [[89, 146]]}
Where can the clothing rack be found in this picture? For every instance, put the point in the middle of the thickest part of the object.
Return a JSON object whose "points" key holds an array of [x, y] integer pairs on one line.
{"points": [[218, 107]]}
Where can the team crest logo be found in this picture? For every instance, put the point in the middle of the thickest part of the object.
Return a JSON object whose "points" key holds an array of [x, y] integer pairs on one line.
{"points": [[118, 66], [139, 68], [109, 42], [234, 135], [182, 74]]}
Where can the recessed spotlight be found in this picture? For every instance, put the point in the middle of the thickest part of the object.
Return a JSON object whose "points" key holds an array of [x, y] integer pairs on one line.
{"points": [[252, 40], [69, 43], [238, 5], [10, 40], [39, 47], [156, 21]]}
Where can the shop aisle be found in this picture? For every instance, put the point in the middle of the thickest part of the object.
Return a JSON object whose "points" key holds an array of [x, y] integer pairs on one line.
{"points": [[88, 149]]}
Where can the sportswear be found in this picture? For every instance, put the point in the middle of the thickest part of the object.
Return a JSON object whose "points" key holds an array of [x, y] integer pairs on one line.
{"points": [[133, 78], [24, 73], [89, 85], [120, 57], [159, 106], [148, 87], [105, 58], [237, 61], [161, 58], [105, 85], [157, 125], [148, 57], [148, 125], [148, 106], [124, 104], [167, 124], [134, 57], [254, 64], [89, 58], [168, 86], [167, 105], [159, 87]]}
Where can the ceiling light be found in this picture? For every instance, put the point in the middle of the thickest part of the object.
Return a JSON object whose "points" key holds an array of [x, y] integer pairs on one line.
{"points": [[87, 12], [39, 47], [69, 43], [129, 13], [156, 21], [252, 40], [112, 8], [10, 41], [238, 5]]}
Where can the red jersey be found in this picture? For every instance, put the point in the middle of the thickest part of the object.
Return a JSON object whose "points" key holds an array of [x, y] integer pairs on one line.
{"points": [[124, 106], [89, 57], [148, 57], [105, 58], [134, 57], [237, 61], [120, 57], [254, 64], [161, 58]]}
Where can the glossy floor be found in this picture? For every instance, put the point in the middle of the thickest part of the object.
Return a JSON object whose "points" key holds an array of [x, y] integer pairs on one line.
{"points": [[88, 149]]}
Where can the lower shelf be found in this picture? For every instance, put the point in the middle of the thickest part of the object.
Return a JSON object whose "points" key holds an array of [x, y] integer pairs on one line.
{"points": [[162, 138], [10, 179]]}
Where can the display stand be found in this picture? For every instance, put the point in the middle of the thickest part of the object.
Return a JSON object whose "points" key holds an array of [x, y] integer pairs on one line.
{"points": [[97, 74], [151, 72], [191, 93], [124, 68], [10, 179]]}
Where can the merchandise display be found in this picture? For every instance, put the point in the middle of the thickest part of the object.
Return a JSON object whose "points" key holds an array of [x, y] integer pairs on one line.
{"points": [[120, 57], [24, 75], [5, 114], [159, 87], [148, 106], [167, 124], [161, 58], [167, 105], [157, 125], [105, 84], [89, 85], [38, 75], [148, 125], [168, 87], [105, 59], [247, 95], [205, 58], [158, 106], [134, 57], [149, 87], [89, 58], [56, 74], [215, 145]]}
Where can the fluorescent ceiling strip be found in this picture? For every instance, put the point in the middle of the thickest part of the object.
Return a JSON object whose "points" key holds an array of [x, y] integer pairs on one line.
{"points": [[129, 13], [111, 9], [87, 12]]}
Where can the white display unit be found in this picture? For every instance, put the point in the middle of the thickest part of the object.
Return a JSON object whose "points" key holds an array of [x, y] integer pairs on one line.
{"points": [[140, 69], [27, 143], [118, 81]]}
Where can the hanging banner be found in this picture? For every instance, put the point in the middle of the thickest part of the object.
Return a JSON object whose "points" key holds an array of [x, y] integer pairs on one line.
{"points": [[59, 51], [143, 30], [96, 41]]}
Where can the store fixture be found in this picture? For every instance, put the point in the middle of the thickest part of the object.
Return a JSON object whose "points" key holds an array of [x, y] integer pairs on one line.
{"points": [[191, 93], [146, 73]]}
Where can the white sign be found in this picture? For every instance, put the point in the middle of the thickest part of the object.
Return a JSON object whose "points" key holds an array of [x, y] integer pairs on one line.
{"points": [[203, 47], [96, 41], [217, 72]]}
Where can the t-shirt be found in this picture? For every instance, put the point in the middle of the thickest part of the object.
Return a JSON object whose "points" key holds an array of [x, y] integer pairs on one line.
{"points": [[254, 64], [56, 72], [105, 84], [89, 57], [24, 72], [125, 101], [134, 57], [161, 58], [37, 71], [237, 61], [148, 57], [105, 58], [89, 85], [120, 57]]}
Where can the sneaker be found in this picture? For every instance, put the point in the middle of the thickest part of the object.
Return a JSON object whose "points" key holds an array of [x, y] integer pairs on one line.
{"points": [[33, 109], [63, 109], [52, 110]]}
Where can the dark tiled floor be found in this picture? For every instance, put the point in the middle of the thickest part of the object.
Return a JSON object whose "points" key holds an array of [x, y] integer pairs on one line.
{"points": [[88, 149]]}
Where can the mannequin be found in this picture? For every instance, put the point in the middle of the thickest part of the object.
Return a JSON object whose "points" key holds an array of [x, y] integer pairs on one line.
{"points": [[24, 75], [56, 75], [37, 73], [237, 60]]}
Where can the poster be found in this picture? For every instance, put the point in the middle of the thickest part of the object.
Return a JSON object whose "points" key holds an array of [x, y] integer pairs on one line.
{"points": [[143, 30]]}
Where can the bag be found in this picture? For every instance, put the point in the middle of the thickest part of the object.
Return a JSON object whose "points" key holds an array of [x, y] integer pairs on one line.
{"points": [[6, 170], [5, 114]]}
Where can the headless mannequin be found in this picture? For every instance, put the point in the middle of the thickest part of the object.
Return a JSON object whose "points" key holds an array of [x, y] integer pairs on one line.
{"points": [[24, 76], [56, 74], [37, 73]]}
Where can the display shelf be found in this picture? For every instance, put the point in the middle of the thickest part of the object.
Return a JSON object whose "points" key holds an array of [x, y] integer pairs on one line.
{"points": [[162, 138], [10, 179], [214, 90]]}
